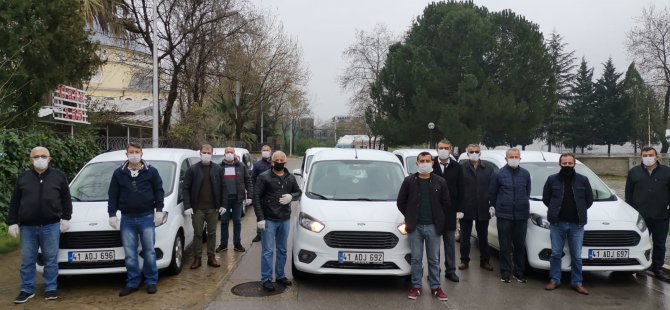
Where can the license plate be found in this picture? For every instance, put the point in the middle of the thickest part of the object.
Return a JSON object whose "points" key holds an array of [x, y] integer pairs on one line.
{"points": [[607, 254], [361, 257], [90, 256]]}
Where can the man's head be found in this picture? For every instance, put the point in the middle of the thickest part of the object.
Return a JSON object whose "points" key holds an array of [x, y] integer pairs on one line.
{"points": [[649, 156], [206, 153], [40, 158], [278, 160], [513, 157], [474, 151], [444, 149], [567, 160], [229, 154], [266, 152], [424, 162], [134, 153]]}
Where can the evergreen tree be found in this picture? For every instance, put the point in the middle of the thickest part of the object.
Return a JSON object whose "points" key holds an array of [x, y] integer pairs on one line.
{"points": [[647, 112], [612, 116], [578, 130]]}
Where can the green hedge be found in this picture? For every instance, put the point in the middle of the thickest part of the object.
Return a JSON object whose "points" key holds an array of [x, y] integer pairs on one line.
{"points": [[303, 144], [67, 153]]}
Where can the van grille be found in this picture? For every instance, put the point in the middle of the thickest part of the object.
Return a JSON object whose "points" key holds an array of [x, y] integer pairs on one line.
{"points": [[611, 238], [611, 262], [91, 239], [361, 240]]}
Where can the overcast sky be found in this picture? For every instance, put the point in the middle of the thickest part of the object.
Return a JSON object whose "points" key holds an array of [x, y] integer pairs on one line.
{"points": [[595, 29]]}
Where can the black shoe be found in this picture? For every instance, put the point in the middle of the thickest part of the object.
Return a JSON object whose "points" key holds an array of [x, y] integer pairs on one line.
{"points": [[50, 295], [661, 275], [222, 248], [268, 286], [256, 239], [505, 280], [151, 289], [127, 291], [284, 282], [239, 248], [452, 277], [23, 297], [520, 279]]}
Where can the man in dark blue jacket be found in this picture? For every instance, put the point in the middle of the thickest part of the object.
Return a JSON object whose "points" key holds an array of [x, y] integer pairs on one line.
{"points": [[568, 195], [136, 189], [509, 192], [264, 164]]}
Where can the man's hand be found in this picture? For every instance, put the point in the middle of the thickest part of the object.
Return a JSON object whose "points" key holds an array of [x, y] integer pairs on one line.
{"points": [[64, 225], [492, 211], [261, 225], [158, 218], [285, 199], [222, 211], [13, 230], [247, 202], [114, 222], [459, 215], [188, 211]]}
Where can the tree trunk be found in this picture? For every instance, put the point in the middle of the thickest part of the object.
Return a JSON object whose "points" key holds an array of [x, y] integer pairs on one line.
{"points": [[609, 149], [664, 142], [574, 150], [172, 96]]}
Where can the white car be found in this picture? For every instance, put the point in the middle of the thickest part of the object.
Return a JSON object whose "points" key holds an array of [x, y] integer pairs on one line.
{"points": [[615, 236], [303, 171], [407, 158], [91, 246], [347, 221]]}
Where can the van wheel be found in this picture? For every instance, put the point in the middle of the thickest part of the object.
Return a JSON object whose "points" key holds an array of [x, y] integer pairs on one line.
{"points": [[177, 260]]}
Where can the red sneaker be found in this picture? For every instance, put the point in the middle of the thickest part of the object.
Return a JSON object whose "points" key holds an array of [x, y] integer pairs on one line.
{"points": [[439, 294], [414, 293]]}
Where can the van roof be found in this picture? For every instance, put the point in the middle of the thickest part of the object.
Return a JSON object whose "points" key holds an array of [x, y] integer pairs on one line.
{"points": [[360, 154], [170, 154]]}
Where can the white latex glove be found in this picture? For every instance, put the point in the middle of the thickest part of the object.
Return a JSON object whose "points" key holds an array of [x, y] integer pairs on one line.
{"points": [[188, 211], [492, 211], [261, 225], [222, 211], [13, 230], [158, 218], [247, 202], [285, 199], [459, 215], [114, 222], [64, 225]]}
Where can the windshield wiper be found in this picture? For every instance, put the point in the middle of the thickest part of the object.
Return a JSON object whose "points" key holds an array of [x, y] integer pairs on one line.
{"points": [[362, 199], [318, 195], [75, 198], [535, 198]]}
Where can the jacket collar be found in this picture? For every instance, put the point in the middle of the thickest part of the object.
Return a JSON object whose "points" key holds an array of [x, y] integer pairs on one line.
{"points": [[145, 166]]}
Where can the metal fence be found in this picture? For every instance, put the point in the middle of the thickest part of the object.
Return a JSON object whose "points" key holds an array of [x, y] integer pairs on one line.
{"points": [[120, 143]]}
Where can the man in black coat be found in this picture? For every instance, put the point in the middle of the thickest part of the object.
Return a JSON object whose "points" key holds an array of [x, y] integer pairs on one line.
{"points": [[445, 166], [475, 205]]}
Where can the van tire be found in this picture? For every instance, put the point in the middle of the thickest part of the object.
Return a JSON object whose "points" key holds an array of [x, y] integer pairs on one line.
{"points": [[177, 261]]}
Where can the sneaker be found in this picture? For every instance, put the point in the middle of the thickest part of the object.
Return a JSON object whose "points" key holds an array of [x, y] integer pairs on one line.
{"points": [[268, 286], [50, 295], [152, 288], [520, 279], [284, 282], [127, 291], [505, 280], [239, 248], [414, 293], [256, 239], [441, 295], [222, 248], [23, 297]]}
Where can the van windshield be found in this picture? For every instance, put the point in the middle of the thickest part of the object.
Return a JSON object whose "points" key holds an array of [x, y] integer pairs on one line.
{"points": [[354, 180], [541, 170], [92, 183]]}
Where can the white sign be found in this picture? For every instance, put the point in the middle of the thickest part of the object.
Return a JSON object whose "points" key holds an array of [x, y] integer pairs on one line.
{"points": [[69, 105]]}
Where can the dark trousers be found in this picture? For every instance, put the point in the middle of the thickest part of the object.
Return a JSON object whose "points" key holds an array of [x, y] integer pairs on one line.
{"points": [[482, 236], [449, 240], [512, 239], [659, 232]]}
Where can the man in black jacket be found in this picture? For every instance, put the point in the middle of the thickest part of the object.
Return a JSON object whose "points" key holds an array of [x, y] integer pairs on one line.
{"points": [[648, 191], [202, 201], [475, 205], [424, 201], [236, 188], [274, 191], [448, 168], [264, 164], [39, 210]]}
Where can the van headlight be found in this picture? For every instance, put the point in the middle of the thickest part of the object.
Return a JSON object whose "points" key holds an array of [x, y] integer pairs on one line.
{"points": [[401, 229], [641, 224], [165, 217], [310, 223], [539, 221]]}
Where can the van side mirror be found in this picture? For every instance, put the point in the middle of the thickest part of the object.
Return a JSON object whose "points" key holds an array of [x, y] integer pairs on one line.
{"points": [[297, 172]]}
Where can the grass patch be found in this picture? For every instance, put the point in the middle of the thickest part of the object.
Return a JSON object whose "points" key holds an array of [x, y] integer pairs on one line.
{"points": [[7, 243]]}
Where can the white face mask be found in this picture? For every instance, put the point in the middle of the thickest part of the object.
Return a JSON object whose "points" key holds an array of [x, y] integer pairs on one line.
{"points": [[443, 154], [648, 161], [425, 168], [206, 158], [41, 163], [473, 156], [229, 156], [265, 154], [513, 162], [134, 158]]}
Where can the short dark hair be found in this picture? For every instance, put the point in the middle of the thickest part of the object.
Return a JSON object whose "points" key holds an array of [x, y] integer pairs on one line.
{"points": [[133, 144], [424, 153], [568, 154], [649, 148]]}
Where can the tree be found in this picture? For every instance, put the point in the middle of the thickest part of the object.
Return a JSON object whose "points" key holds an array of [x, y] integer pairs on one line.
{"points": [[646, 123], [612, 117], [103, 16], [578, 129], [42, 44], [649, 44]]}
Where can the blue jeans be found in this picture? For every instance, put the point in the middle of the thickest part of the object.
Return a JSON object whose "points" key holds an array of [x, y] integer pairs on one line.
{"points": [[512, 239], [47, 238], [427, 234], [135, 231], [574, 233], [235, 208], [659, 232], [274, 235]]}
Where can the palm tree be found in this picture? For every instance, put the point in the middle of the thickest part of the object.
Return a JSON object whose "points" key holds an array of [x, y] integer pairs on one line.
{"points": [[105, 16]]}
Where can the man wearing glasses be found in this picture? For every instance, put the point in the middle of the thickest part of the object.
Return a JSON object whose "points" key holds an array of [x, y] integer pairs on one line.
{"points": [[475, 207], [39, 210]]}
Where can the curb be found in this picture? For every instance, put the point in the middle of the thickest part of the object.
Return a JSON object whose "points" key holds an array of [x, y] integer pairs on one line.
{"points": [[666, 268]]}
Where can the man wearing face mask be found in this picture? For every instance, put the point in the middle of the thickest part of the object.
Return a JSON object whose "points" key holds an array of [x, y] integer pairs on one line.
{"points": [[648, 191], [202, 201], [509, 192], [475, 207], [424, 201], [39, 211], [568, 195], [274, 191], [236, 187], [136, 189], [445, 166], [264, 164]]}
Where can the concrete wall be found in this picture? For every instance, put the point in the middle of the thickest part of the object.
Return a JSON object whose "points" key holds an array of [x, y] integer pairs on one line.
{"points": [[616, 165]]}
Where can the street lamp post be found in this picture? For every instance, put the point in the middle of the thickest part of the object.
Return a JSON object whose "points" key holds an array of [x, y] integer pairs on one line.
{"points": [[431, 126]]}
